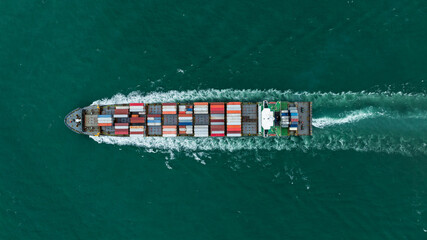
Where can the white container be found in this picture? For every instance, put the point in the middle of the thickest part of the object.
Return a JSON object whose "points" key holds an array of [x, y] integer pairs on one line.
{"points": [[233, 107], [217, 132], [121, 127], [120, 115], [154, 124], [234, 135]]}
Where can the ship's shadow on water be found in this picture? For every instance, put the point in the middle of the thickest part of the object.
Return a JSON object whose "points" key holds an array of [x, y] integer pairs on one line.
{"points": [[383, 122]]}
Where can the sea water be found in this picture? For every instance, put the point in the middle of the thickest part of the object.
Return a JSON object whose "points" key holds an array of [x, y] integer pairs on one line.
{"points": [[362, 175]]}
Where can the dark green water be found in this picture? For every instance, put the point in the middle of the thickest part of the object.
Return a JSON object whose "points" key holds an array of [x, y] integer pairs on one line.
{"points": [[363, 175]]}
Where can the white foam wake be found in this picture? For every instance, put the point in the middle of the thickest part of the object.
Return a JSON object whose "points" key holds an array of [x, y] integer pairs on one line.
{"points": [[351, 117], [319, 99], [323, 141], [357, 106]]}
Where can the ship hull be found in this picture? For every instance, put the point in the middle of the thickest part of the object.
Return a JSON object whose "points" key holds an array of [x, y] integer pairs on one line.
{"points": [[198, 119]]}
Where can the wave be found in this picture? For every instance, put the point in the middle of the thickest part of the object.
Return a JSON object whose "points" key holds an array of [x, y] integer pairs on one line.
{"points": [[369, 143], [354, 116], [319, 99], [338, 114]]}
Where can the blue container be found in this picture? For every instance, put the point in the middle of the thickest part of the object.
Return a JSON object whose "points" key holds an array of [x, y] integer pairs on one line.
{"points": [[153, 121], [294, 114], [104, 116], [285, 114], [185, 123]]}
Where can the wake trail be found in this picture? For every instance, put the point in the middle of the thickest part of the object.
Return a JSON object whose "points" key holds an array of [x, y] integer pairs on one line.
{"points": [[340, 113]]}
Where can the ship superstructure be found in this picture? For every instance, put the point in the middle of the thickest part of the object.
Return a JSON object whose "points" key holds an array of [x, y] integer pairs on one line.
{"points": [[197, 119]]}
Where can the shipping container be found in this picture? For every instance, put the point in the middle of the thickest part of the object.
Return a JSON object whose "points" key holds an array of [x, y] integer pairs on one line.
{"points": [[201, 131], [137, 107], [154, 130], [120, 115], [137, 119], [234, 119], [201, 108], [169, 108], [154, 109], [217, 119], [169, 131], [121, 132], [170, 120], [121, 111]]}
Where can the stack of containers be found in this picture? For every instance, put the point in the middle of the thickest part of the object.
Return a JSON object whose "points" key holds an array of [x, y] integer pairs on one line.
{"points": [[138, 108], [136, 119], [201, 108], [121, 112], [185, 119], [234, 119], [169, 131], [121, 128], [154, 120], [217, 120], [105, 120], [137, 131], [284, 118], [169, 108], [294, 119]]}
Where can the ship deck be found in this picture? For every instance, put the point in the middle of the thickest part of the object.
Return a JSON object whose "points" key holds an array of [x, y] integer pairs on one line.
{"points": [[85, 120]]}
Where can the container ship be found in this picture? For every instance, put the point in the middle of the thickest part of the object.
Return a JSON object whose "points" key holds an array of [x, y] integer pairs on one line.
{"points": [[197, 119]]}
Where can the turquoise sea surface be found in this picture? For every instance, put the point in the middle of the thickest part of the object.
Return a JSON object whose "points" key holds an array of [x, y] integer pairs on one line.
{"points": [[362, 175]]}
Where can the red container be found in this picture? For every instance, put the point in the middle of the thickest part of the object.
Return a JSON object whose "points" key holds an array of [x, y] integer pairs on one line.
{"points": [[218, 135], [233, 131], [154, 115], [136, 104], [137, 120], [121, 124], [121, 132], [121, 111], [185, 115]]}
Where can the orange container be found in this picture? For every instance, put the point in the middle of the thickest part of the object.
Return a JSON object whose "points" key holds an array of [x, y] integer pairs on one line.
{"points": [[234, 111], [169, 112]]}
